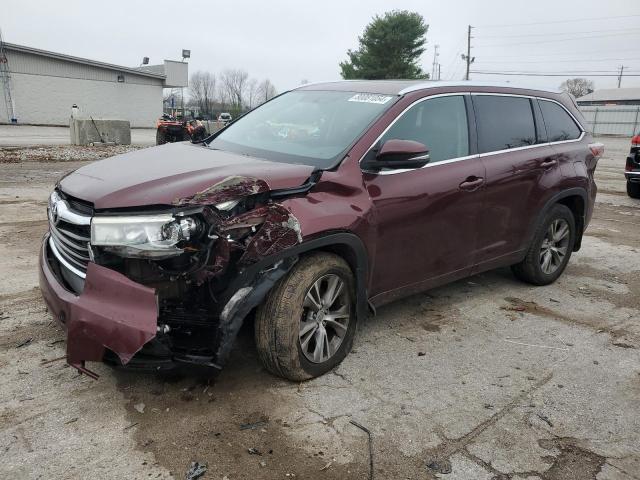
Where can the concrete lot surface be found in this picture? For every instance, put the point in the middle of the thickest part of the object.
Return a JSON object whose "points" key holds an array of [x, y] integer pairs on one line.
{"points": [[486, 378], [27, 135]]}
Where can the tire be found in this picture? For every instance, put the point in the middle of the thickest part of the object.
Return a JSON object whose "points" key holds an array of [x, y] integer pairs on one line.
{"points": [[533, 269], [161, 138], [633, 189], [286, 311]]}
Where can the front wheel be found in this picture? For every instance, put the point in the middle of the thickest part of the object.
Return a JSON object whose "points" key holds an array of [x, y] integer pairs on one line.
{"points": [[307, 323], [551, 248], [633, 189]]}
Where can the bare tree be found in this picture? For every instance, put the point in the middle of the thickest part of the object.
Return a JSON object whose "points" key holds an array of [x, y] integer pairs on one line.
{"points": [[252, 93], [202, 90], [234, 84], [266, 90], [578, 87]]}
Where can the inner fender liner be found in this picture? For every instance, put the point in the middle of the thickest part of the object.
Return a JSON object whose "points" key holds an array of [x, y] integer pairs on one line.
{"points": [[243, 301], [112, 312]]}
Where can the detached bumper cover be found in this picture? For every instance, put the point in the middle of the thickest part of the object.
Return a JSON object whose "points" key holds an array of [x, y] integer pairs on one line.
{"points": [[112, 313]]}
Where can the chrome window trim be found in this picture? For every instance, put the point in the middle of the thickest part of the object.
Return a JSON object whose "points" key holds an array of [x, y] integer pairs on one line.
{"points": [[526, 147], [479, 155], [61, 259]]}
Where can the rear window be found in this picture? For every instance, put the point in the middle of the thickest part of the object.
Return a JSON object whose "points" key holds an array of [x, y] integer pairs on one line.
{"points": [[560, 125], [503, 122]]}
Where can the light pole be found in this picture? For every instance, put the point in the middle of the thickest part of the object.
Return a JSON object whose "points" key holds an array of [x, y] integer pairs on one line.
{"points": [[185, 54]]}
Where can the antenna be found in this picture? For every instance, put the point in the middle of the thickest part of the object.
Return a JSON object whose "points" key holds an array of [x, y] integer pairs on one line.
{"points": [[5, 81]]}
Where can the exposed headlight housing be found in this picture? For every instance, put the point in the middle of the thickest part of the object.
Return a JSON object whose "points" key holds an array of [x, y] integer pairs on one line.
{"points": [[143, 236], [229, 205]]}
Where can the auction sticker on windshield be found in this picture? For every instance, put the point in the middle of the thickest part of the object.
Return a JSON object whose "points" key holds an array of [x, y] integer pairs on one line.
{"points": [[370, 98]]}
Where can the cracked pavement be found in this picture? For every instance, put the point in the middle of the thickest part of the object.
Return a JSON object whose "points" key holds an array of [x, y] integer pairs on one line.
{"points": [[486, 378]]}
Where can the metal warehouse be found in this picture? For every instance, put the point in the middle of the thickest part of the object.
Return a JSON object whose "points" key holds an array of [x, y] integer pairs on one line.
{"points": [[40, 87]]}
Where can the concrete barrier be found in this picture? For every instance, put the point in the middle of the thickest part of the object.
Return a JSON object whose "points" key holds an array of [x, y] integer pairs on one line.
{"points": [[84, 131], [212, 126]]}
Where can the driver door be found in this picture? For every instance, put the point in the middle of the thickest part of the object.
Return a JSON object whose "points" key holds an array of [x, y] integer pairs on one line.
{"points": [[427, 218]]}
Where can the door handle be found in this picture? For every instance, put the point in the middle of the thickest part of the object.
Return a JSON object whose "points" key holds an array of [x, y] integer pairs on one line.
{"points": [[548, 163], [471, 183]]}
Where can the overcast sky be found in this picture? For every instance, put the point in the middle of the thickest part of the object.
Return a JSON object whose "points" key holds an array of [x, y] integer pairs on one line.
{"points": [[291, 41]]}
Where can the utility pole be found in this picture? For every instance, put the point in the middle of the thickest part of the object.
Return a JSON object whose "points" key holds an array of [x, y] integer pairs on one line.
{"points": [[468, 58], [620, 76], [434, 68]]}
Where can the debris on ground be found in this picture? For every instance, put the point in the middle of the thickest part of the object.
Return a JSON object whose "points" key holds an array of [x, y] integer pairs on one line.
{"points": [[253, 426], [139, 407], [196, 470], [24, 343], [440, 466], [545, 419], [370, 437], [254, 451]]}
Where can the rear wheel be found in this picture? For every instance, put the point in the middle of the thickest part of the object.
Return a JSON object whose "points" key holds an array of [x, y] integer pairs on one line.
{"points": [[307, 323], [633, 189], [551, 248], [161, 138]]}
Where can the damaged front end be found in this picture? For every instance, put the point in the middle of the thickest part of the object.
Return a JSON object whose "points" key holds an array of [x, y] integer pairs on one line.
{"points": [[167, 286]]}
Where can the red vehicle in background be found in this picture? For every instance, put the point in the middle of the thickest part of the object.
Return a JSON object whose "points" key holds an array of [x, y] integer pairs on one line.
{"points": [[632, 168], [170, 130]]}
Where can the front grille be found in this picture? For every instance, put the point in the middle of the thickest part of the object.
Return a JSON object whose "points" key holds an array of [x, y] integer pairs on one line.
{"points": [[70, 236]]}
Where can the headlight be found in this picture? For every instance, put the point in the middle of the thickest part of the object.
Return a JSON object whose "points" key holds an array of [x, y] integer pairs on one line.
{"points": [[150, 236], [229, 205]]}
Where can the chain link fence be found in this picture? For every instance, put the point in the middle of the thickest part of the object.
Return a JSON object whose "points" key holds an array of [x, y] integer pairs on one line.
{"points": [[613, 120]]}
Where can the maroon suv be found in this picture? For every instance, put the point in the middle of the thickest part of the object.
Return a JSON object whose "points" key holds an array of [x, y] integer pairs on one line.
{"points": [[308, 213]]}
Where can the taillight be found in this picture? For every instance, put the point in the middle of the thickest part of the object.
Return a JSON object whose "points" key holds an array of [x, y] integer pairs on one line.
{"points": [[597, 149], [635, 141]]}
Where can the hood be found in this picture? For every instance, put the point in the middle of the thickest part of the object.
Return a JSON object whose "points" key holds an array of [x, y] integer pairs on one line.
{"points": [[165, 174]]}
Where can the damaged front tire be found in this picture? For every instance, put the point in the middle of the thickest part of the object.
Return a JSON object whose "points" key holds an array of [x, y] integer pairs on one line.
{"points": [[307, 323]]}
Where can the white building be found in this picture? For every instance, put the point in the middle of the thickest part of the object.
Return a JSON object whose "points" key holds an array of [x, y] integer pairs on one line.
{"points": [[44, 86]]}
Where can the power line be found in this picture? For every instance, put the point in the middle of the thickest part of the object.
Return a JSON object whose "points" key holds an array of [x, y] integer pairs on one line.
{"points": [[619, 31], [532, 74], [589, 53], [574, 20], [567, 60], [587, 37]]}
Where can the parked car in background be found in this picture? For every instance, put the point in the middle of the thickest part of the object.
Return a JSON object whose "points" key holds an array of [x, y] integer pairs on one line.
{"points": [[225, 118], [632, 168], [308, 213]]}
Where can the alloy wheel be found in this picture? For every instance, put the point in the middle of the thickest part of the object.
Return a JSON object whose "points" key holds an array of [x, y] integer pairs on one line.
{"points": [[325, 318], [554, 246]]}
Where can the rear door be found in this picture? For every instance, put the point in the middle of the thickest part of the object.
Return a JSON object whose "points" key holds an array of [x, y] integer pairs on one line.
{"points": [[427, 217], [520, 166]]}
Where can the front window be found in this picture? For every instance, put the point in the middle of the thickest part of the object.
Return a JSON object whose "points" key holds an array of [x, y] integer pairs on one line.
{"points": [[304, 126]]}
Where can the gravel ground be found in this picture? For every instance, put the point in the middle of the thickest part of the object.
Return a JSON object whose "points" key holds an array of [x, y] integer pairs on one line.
{"points": [[486, 378], [61, 153]]}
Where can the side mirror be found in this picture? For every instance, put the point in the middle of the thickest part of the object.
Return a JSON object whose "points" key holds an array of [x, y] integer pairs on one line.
{"points": [[397, 154]]}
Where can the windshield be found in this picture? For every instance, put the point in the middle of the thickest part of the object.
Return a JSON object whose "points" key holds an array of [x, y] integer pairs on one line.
{"points": [[304, 126]]}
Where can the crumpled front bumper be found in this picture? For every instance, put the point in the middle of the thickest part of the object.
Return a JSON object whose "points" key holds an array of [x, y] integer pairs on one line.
{"points": [[111, 313]]}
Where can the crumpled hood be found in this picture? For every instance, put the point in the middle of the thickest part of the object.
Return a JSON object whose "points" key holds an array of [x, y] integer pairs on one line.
{"points": [[166, 174]]}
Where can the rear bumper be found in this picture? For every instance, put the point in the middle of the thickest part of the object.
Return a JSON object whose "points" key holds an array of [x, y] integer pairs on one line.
{"points": [[633, 176], [112, 312]]}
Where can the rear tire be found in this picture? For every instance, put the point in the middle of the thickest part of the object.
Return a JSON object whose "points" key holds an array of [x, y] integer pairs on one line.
{"points": [[633, 189], [287, 320], [161, 138], [548, 254]]}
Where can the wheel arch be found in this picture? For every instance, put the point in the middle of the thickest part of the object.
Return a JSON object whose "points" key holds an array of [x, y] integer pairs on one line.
{"points": [[573, 198]]}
